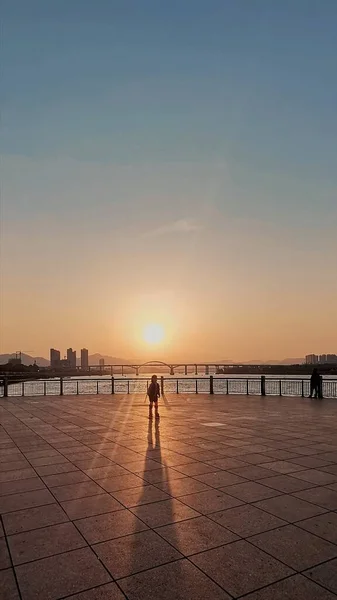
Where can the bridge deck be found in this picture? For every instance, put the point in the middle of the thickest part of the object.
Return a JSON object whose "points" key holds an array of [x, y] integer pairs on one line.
{"points": [[226, 497]]}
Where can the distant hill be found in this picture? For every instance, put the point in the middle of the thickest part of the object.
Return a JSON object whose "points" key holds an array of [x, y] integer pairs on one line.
{"points": [[285, 361], [108, 360], [25, 359], [113, 360]]}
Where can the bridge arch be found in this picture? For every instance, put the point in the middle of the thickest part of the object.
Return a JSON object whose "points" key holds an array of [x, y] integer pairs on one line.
{"points": [[154, 364]]}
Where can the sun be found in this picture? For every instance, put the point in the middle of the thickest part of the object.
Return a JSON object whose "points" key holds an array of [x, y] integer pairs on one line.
{"points": [[153, 333]]}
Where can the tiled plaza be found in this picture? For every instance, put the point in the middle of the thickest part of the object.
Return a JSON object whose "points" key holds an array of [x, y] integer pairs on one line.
{"points": [[226, 497]]}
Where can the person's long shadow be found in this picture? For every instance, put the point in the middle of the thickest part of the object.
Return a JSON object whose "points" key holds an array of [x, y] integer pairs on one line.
{"points": [[155, 509]]}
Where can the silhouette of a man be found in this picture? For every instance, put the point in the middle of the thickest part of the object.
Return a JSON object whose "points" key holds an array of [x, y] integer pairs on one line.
{"points": [[314, 384]]}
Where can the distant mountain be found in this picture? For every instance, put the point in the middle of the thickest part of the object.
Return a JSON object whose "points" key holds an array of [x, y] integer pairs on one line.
{"points": [[25, 359], [108, 360], [113, 360], [285, 361]]}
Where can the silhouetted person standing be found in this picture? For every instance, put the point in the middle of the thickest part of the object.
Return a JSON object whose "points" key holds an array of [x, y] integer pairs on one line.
{"points": [[153, 393], [314, 384]]}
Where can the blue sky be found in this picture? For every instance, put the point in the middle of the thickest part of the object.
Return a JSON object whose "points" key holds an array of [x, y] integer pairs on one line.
{"points": [[129, 116]]}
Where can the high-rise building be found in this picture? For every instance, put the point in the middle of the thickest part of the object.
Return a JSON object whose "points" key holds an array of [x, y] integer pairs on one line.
{"points": [[84, 359], [101, 362], [331, 359], [311, 359], [71, 358], [55, 357], [323, 358]]}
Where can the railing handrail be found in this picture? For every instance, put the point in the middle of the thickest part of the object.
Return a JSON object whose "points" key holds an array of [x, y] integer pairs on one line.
{"points": [[250, 385]]}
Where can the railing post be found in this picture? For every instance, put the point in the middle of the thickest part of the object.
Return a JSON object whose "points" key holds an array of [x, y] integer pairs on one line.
{"points": [[61, 386], [280, 387], [227, 386], [128, 386], [302, 388], [162, 385], [5, 388], [112, 386], [320, 387], [196, 386], [247, 387], [211, 388], [23, 389], [97, 386], [177, 386], [263, 385], [44, 388], [77, 388]]}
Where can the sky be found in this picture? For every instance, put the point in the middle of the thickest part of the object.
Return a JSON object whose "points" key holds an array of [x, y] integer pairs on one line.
{"points": [[170, 163]]}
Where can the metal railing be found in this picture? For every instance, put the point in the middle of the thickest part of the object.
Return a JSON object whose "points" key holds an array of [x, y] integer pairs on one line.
{"points": [[255, 386]]}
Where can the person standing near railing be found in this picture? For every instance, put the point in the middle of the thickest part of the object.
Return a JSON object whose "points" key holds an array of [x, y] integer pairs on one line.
{"points": [[314, 383], [153, 393]]}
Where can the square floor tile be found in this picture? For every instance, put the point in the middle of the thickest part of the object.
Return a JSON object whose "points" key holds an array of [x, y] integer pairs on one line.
{"points": [[196, 535], [87, 507], [310, 462], [108, 526], [33, 518], [76, 490], [139, 466], [325, 575], [104, 472], [8, 587], [58, 576], [141, 495], [162, 474], [121, 482], [14, 466], [15, 502], [226, 463], [283, 466], [315, 476], [109, 591], [178, 580], [17, 475], [163, 513], [286, 483], [128, 555], [289, 508], [65, 478], [250, 491], [55, 469], [219, 479], [292, 588], [92, 463], [240, 568], [247, 520], [182, 487], [196, 468], [251, 472], [48, 460], [210, 501], [295, 547], [255, 458], [322, 496], [47, 541], [325, 526], [24, 485]]}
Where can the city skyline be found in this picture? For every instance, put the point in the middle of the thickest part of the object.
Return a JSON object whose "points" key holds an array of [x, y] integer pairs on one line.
{"points": [[169, 178], [84, 360]]}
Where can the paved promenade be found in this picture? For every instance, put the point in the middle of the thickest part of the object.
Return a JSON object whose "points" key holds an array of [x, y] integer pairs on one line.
{"points": [[227, 497]]}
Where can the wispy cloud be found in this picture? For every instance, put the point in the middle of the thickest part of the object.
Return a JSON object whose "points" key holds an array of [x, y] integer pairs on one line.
{"points": [[183, 226]]}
